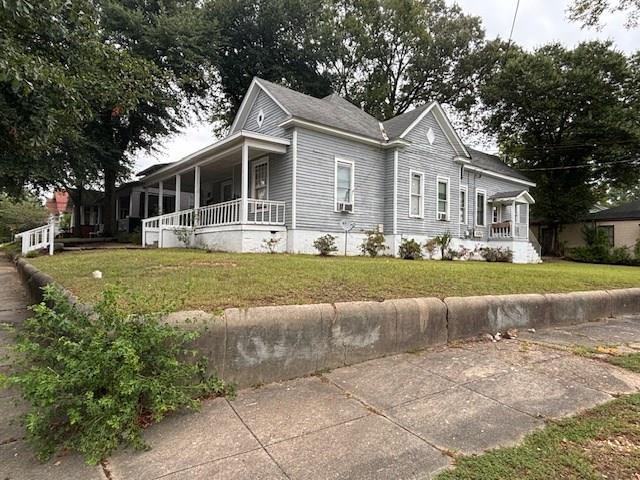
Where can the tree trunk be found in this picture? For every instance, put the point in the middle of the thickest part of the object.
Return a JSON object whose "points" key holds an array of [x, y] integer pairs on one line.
{"points": [[555, 228], [109, 207], [76, 198]]}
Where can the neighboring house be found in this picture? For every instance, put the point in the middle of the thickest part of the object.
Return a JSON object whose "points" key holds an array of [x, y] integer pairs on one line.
{"points": [[621, 225], [295, 167], [89, 210]]}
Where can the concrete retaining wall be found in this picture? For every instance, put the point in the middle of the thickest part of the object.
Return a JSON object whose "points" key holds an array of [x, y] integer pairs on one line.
{"points": [[265, 344]]}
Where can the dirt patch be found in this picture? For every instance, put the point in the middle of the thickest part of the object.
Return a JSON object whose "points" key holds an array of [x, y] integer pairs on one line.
{"points": [[615, 457], [214, 264]]}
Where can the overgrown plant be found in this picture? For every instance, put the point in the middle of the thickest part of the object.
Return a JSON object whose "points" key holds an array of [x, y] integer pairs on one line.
{"points": [[373, 245], [443, 242], [325, 245], [94, 380], [183, 235], [430, 246], [496, 254], [271, 244], [410, 249]]}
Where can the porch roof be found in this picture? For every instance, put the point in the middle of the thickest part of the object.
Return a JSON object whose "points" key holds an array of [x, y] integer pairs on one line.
{"points": [[519, 196], [266, 143]]}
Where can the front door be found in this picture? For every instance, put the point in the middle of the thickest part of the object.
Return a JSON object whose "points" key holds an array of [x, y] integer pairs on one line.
{"points": [[226, 191]]}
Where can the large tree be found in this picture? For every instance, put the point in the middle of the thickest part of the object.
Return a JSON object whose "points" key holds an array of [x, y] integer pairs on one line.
{"points": [[590, 12], [568, 118]]}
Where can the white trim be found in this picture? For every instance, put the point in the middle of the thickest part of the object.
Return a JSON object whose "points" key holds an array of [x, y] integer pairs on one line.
{"points": [[421, 193], [447, 128], [254, 164], [247, 103], [244, 195], [197, 181], [178, 192], [293, 122], [338, 160], [294, 182], [498, 175], [475, 212], [523, 197], [441, 179], [395, 191], [465, 217], [497, 218]]}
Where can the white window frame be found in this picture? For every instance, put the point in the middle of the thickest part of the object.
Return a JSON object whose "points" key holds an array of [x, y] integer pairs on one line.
{"points": [[462, 212], [446, 180], [497, 218], [484, 209], [258, 163], [351, 186], [420, 194]]}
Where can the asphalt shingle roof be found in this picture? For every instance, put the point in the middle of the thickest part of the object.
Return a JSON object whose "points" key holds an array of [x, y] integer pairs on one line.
{"points": [[396, 125], [493, 163], [627, 211], [332, 111], [511, 194]]}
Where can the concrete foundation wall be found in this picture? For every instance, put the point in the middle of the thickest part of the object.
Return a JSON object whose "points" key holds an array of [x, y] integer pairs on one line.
{"points": [[265, 344]]}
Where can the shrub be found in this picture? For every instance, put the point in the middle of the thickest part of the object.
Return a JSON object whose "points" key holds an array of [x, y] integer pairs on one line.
{"points": [[598, 250], [496, 254], [94, 380], [430, 246], [271, 244], [325, 245], [636, 250], [410, 249], [373, 244], [443, 241], [134, 237]]}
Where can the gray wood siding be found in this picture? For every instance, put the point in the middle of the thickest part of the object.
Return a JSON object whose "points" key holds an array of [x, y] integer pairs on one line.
{"points": [[280, 180], [432, 161], [388, 192], [273, 116], [316, 182]]}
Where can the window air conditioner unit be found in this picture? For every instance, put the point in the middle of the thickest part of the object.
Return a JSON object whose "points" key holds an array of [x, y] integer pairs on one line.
{"points": [[442, 216], [345, 207], [477, 234]]}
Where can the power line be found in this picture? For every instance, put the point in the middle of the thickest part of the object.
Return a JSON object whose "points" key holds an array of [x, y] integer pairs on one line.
{"points": [[513, 23], [572, 167]]}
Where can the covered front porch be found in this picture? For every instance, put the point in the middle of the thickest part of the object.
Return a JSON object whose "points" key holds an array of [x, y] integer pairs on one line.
{"points": [[221, 197], [510, 215]]}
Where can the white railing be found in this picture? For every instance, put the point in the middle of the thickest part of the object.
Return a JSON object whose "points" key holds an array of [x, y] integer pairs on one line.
{"points": [[225, 213], [266, 212], [507, 230], [181, 219], [39, 238]]}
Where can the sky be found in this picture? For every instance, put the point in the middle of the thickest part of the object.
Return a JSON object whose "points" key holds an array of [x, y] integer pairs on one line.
{"points": [[538, 22]]}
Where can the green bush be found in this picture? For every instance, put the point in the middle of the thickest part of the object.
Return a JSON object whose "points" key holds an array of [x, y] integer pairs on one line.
{"points": [[93, 381], [636, 249], [134, 237], [325, 245], [373, 245], [410, 249], [496, 254], [443, 241], [598, 250]]}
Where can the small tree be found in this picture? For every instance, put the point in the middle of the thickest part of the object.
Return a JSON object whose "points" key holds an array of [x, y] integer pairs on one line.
{"points": [[373, 244], [271, 244], [443, 241], [325, 245], [430, 246]]}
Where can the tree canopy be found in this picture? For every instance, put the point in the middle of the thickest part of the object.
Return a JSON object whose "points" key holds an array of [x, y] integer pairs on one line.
{"points": [[568, 118], [590, 12]]}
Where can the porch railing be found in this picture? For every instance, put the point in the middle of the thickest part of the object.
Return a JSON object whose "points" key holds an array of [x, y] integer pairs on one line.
{"points": [[39, 238], [508, 230], [259, 212]]}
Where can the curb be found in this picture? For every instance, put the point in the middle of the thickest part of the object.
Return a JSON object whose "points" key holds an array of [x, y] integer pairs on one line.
{"points": [[259, 345]]}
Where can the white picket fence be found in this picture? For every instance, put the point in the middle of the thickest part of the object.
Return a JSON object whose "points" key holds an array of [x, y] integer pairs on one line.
{"points": [[39, 238]]}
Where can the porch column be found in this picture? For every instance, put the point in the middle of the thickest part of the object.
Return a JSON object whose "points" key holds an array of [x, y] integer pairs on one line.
{"points": [[160, 196], [178, 191], [131, 204], [514, 220], [146, 203], [245, 183], [196, 191]]}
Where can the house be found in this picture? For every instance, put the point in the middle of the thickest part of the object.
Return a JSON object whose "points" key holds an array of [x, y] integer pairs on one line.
{"points": [[88, 209], [294, 168], [621, 225]]}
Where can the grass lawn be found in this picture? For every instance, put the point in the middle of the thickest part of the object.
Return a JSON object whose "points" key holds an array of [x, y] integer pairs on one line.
{"points": [[601, 443], [212, 281]]}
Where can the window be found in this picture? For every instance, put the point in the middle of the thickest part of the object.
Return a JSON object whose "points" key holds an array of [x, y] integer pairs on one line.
{"points": [[463, 206], [416, 201], [344, 184], [608, 232], [260, 180], [495, 214], [443, 199], [481, 197]]}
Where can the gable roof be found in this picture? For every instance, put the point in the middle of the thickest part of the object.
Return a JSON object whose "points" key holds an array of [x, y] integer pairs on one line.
{"points": [[493, 163], [333, 110], [152, 169], [512, 195], [397, 125], [626, 211]]}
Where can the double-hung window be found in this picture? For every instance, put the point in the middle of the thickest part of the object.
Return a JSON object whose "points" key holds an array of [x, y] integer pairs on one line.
{"points": [[481, 200], [260, 180], [443, 199], [463, 206], [416, 201], [344, 184]]}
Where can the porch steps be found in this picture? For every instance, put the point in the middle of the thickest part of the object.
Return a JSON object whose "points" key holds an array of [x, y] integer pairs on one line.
{"points": [[532, 254]]}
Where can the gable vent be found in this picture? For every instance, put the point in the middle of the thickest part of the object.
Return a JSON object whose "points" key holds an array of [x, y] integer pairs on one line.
{"points": [[431, 137], [260, 118]]}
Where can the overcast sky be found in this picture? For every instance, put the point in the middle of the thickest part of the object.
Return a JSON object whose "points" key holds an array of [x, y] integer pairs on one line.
{"points": [[538, 22]]}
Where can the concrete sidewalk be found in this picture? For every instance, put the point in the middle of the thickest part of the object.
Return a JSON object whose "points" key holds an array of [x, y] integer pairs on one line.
{"points": [[405, 416]]}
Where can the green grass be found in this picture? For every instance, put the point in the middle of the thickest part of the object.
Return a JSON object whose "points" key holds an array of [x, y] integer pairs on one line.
{"points": [[601, 443], [630, 361], [212, 281]]}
